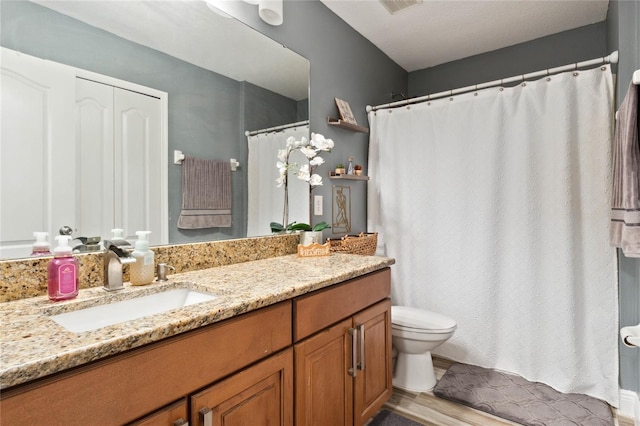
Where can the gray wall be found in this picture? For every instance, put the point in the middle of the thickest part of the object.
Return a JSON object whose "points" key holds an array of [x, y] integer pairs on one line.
{"points": [[343, 65], [564, 48], [208, 112], [619, 32], [623, 34]]}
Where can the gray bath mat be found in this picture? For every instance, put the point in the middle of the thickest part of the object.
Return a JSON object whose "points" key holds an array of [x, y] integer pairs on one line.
{"points": [[388, 418], [514, 398]]}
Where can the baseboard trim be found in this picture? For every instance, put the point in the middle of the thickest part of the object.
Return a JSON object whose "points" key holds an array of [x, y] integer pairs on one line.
{"points": [[630, 405]]}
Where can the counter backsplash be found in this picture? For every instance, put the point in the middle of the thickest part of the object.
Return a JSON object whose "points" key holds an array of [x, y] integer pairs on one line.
{"points": [[23, 278]]}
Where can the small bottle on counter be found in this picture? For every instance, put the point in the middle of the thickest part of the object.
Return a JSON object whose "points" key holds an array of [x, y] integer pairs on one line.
{"points": [[41, 246], [142, 272], [62, 281]]}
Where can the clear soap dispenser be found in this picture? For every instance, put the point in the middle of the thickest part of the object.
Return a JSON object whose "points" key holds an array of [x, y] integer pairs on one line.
{"points": [[41, 246], [142, 272]]}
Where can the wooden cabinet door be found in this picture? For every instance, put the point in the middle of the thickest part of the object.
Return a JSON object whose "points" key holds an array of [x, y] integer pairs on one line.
{"points": [[259, 395], [373, 386], [175, 414], [324, 390]]}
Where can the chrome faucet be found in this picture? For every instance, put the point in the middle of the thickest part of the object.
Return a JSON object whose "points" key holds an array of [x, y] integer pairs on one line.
{"points": [[116, 254]]}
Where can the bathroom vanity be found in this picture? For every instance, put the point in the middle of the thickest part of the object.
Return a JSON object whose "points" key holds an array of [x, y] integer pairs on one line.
{"points": [[286, 341]]}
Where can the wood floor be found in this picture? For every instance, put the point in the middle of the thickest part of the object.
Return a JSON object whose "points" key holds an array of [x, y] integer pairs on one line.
{"points": [[427, 409]]}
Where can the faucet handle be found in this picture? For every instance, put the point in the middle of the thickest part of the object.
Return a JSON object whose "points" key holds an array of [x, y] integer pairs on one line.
{"points": [[120, 247], [162, 271]]}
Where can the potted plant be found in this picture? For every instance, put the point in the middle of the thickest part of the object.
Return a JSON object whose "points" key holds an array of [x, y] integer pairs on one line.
{"points": [[340, 169], [308, 234], [310, 148], [357, 169]]}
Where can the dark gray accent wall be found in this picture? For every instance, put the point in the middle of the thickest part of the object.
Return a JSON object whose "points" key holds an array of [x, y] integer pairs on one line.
{"points": [[208, 112], [623, 34], [344, 65], [564, 48]]}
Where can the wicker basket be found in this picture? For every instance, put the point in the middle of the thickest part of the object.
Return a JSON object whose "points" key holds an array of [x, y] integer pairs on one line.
{"points": [[364, 244]]}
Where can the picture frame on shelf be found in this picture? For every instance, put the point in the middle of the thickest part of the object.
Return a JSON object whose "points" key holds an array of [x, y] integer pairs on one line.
{"points": [[345, 111]]}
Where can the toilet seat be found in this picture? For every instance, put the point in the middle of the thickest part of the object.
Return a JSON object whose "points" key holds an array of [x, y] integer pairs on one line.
{"points": [[417, 320]]}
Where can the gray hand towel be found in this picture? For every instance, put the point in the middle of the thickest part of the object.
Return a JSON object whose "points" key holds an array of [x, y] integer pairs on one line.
{"points": [[624, 230], [206, 194]]}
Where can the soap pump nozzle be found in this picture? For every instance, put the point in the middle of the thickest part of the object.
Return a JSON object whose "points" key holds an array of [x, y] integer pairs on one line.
{"points": [[142, 243], [41, 246], [62, 249]]}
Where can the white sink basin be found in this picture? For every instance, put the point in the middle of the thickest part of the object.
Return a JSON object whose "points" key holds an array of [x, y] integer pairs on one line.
{"points": [[97, 317]]}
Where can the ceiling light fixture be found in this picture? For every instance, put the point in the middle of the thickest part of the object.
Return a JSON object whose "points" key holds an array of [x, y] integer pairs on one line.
{"points": [[271, 11], [215, 6], [394, 6]]}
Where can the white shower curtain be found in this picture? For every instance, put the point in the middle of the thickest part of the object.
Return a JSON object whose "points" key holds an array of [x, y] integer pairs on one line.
{"points": [[495, 206], [265, 200]]}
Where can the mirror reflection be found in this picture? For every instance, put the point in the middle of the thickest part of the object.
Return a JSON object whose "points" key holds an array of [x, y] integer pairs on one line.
{"points": [[220, 79]]}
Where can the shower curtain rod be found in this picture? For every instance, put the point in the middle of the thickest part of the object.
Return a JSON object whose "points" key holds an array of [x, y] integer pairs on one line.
{"points": [[612, 58], [277, 128]]}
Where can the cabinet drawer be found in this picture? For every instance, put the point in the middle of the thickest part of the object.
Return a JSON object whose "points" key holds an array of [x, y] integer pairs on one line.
{"points": [[322, 308], [130, 385]]}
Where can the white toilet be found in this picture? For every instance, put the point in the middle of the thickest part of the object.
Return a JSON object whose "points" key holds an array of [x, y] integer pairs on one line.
{"points": [[415, 333]]}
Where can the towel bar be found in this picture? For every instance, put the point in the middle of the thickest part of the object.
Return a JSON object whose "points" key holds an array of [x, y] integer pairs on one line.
{"points": [[178, 157]]}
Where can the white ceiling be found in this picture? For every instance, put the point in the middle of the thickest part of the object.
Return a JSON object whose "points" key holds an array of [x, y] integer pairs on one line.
{"points": [[439, 31], [430, 33], [189, 30]]}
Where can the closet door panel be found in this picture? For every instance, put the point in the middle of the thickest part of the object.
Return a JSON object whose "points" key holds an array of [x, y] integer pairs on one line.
{"points": [[138, 165], [94, 142], [36, 150]]}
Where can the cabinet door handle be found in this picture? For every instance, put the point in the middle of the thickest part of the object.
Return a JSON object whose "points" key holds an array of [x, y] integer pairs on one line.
{"points": [[360, 328], [181, 422], [354, 351], [206, 416]]}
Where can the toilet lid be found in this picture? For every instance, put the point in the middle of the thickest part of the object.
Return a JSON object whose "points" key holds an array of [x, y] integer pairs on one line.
{"points": [[408, 317]]}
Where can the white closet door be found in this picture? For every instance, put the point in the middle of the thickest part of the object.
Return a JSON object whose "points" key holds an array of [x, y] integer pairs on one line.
{"points": [[138, 164], [36, 150], [95, 152]]}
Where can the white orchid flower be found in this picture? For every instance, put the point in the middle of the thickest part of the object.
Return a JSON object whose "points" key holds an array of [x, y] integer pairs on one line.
{"points": [[282, 155], [316, 161], [303, 173], [328, 145], [282, 167], [321, 143], [315, 180], [308, 151], [281, 180], [291, 141]]}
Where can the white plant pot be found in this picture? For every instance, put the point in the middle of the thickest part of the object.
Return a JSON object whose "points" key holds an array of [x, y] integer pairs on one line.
{"points": [[308, 237]]}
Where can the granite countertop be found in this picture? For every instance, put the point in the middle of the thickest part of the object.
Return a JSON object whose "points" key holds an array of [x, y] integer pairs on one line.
{"points": [[33, 346]]}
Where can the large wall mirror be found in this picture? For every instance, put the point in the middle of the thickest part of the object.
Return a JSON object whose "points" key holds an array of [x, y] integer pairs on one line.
{"points": [[221, 78]]}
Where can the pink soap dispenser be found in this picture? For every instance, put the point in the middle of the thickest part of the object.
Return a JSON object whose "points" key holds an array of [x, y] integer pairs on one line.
{"points": [[63, 271]]}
